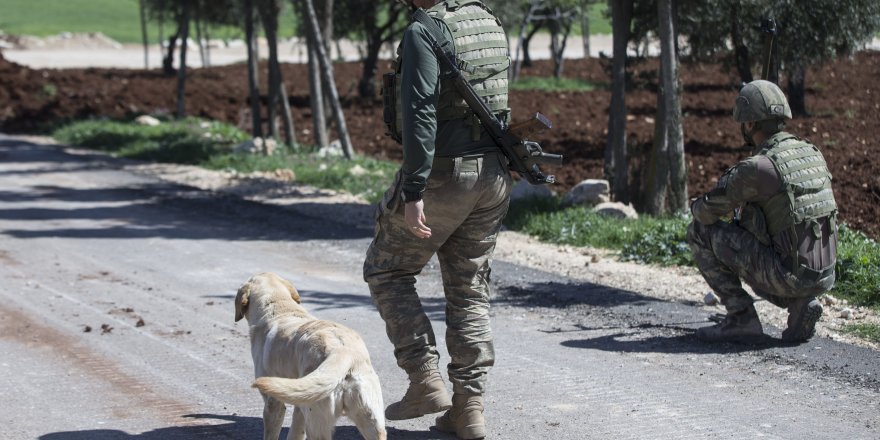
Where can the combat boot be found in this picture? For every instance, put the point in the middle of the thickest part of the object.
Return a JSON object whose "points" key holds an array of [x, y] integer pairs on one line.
{"points": [[426, 394], [803, 314], [465, 418], [739, 326]]}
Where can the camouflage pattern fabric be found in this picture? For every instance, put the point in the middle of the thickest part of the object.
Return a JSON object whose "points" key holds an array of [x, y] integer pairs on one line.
{"points": [[728, 255], [465, 201]]}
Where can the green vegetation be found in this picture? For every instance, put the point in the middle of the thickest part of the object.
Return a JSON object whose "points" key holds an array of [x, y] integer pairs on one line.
{"points": [[870, 332], [118, 19], [646, 240], [858, 268], [662, 241], [209, 144], [553, 84]]}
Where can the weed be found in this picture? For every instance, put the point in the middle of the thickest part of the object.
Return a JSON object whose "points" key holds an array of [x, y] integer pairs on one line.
{"points": [[870, 332]]}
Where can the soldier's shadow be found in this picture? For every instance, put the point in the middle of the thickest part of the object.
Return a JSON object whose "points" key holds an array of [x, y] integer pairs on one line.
{"points": [[238, 427]]}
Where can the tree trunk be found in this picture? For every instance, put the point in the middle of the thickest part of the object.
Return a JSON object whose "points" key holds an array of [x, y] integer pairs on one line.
{"points": [[181, 71], [667, 174], [797, 89], [585, 27], [199, 40], [161, 31], [289, 130], [527, 58], [253, 72], [146, 39], [522, 43], [616, 160], [316, 95], [269, 17], [327, 73], [741, 51]]}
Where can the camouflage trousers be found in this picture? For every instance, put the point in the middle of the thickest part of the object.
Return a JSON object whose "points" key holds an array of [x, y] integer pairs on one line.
{"points": [[465, 201], [728, 255]]}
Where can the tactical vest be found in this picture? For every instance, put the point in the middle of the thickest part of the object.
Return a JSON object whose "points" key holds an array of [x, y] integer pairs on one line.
{"points": [[807, 195], [481, 50]]}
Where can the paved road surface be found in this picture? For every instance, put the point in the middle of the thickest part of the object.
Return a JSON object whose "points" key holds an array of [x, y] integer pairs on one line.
{"points": [[85, 244]]}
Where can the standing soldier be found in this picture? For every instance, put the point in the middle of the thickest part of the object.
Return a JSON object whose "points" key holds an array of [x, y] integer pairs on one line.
{"points": [[449, 198], [783, 237]]}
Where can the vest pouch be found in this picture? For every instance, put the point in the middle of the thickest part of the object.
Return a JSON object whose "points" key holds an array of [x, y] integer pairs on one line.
{"points": [[389, 104]]}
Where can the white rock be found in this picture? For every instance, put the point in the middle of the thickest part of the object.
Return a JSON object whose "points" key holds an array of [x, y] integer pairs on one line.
{"points": [[332, 150], [147, 120], [590, 192], [357, 171], [615, 209], [829, 300], [256, 146], [524, 190], [846, 314], [711, 299]]}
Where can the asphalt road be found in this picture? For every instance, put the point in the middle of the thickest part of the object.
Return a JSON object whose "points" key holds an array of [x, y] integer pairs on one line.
{"points": [[116, 322]]}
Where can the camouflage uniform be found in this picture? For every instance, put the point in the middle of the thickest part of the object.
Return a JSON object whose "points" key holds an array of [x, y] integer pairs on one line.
{"points": [[782, 239], [454, 166]]}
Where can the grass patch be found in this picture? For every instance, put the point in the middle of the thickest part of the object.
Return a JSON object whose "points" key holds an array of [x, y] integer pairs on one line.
{"points": [[553, 84], [858, 268], [870, 332], [118, 19], [367, 178], [209, 144], [663, 241], [646, 240]]}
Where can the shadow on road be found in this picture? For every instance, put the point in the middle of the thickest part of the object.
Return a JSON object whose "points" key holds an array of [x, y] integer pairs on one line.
{"points": [[238, 428], [680, 343], [146, 208]]}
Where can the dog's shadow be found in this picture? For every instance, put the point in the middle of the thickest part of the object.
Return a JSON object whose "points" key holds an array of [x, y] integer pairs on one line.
{"points": [[238, 427]]}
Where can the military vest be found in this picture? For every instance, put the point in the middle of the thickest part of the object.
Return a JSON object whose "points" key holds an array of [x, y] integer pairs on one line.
{"points": [[481, 49], [807, 195]]}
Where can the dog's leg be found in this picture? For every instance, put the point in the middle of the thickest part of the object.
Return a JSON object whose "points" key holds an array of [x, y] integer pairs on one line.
{"points": [[273, 417], [297, 425], [364, 406], [320, 420]]}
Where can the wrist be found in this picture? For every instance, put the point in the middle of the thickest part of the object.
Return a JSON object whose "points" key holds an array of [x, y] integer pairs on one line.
{"points": [[411, 196]]}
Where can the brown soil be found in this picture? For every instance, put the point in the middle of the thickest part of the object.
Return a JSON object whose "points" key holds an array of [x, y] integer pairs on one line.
{"points": [[844, 100]]}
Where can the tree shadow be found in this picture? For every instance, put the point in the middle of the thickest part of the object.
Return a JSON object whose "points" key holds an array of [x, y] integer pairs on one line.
{"points": [[682, 341], [237, 427]]}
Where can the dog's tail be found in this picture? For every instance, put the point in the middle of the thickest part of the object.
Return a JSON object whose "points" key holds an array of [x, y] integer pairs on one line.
{"points": [[313, 387]]}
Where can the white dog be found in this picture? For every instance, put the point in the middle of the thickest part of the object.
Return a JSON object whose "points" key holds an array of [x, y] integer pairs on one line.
{"points": [[320, 367]]}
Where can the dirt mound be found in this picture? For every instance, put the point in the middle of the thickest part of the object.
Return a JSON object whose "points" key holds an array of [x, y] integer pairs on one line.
{"points": [[843, 98]]}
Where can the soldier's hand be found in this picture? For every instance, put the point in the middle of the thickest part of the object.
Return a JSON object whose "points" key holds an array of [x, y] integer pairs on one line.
{"points": [[414, 215]]}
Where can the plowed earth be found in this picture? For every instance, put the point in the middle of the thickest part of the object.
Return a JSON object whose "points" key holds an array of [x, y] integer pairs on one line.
{"points": [[843, 97]]}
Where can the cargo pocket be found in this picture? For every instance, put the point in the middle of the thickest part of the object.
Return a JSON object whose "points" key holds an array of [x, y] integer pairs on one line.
{"points": [[391, 200]]}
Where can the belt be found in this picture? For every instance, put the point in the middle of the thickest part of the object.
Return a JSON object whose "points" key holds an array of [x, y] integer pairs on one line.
{"points": [[443, 163]]}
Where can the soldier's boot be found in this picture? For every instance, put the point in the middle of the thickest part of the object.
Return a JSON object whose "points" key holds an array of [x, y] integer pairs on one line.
{"points": [[465, 418], [740, 326], [803, 314], [426, 395]]}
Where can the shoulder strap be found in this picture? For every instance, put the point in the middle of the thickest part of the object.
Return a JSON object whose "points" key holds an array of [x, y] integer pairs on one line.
{"points": [[445, 45]]}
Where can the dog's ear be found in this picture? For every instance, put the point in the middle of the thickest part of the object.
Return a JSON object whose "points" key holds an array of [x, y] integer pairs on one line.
{"points": [[241, 301], [293, 292]]}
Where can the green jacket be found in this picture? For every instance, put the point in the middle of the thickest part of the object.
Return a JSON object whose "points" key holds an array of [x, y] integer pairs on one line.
{"points": [[424, 137]]}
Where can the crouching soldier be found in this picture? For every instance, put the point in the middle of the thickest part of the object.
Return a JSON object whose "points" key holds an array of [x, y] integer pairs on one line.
{"points": [[782, 240]]}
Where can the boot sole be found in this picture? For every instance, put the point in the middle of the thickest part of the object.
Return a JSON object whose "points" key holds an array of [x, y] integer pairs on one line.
{"points": [[805, 327], [431, 405], [467, 433]]}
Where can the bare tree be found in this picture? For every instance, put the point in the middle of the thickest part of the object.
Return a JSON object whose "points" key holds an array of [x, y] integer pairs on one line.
{"points": [[316, 95], [616, 160], [269, 11], [327, 73], [146, 39], [667, 174], [253, 72], [183, 28]]}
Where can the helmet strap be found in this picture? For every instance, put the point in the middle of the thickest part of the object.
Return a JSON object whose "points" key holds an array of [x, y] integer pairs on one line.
{"points": [[748, 135]]}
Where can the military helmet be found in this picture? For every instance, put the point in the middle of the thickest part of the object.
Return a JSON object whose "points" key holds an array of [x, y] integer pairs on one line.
{"points": [[761, 100]]}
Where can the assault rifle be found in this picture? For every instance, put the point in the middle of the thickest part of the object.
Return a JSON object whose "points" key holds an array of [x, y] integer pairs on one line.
{"points": [[525, 156]]}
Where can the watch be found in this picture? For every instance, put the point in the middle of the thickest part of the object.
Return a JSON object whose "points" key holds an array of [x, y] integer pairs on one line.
{"points": [[411, 196]]}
